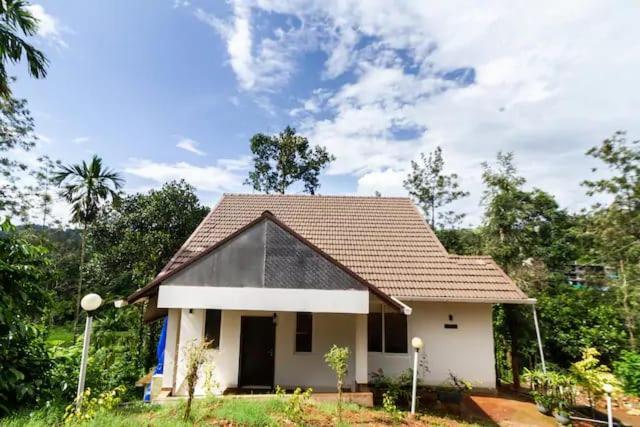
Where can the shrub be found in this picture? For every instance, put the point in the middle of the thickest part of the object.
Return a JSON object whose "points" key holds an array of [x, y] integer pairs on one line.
{"points": [[591, 375], [295, 404], [338, 360], [627, 369], [106, 401], [195, 353], [390, 407]]}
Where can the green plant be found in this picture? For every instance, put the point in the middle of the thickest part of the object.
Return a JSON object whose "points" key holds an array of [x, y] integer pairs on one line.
{"points": [[338, 360], [294, 404], [591, 376], [627, 369], [105, 401], [210, 384], [399, 387], [389, 406]]}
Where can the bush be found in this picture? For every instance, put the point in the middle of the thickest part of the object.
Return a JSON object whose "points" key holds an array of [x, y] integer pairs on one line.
{"points": [[91, 406], [295, 404], [627, 369]]}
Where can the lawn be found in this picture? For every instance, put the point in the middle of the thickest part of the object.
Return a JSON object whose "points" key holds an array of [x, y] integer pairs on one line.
{"points": [[233, 411]]}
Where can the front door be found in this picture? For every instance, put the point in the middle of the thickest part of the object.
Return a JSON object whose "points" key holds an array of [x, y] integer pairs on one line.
{"points": [[257, 349]]}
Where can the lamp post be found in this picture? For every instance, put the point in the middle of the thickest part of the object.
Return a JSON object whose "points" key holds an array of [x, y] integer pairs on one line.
{"points": [[417, 344], [608, 389], [89, 303]]}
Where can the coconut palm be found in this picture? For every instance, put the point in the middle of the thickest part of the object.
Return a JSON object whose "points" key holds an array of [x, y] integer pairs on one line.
{"points": [[17, 20], [86, 187]]}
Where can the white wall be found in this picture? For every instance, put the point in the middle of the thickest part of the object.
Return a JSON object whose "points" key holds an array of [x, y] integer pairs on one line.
{"points": [[467, 351]]}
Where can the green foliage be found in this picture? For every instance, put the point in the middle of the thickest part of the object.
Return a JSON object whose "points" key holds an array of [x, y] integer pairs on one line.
{"points": [[573, 319], [246, 412], [92, 406], [389, 406], [552, 390], [400, 386], [295, 404], [24, 361], [284, 159], [432, 189], [132, 241], [338, 360], [591, 376], [16, 22], [614, 230], [627, 370]]}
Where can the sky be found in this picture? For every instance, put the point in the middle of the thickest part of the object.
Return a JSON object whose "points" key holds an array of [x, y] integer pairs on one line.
{"points": [[170, 89]]}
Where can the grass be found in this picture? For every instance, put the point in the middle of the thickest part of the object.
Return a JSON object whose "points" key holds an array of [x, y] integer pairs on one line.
{"points": [[223, 411]]}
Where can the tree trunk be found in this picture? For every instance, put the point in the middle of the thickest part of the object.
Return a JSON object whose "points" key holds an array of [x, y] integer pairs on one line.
{"points": [[629, 318], [512, 326], [79, 293]]}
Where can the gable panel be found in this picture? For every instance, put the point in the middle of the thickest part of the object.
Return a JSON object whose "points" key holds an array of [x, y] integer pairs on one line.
{"points": [[289, 263]]}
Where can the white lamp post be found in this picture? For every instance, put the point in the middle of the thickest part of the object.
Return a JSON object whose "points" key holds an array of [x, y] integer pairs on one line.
{"points": [[417, 344], [608, 389], [89, 303]]}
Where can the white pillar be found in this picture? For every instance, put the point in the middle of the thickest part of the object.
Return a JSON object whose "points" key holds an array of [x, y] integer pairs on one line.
{"points": [[362, 374], [191, 330], [535, 322], [171, 348]]}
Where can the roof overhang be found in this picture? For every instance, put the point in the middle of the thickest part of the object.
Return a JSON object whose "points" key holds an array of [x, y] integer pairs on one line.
{"points": [[518, 301]]}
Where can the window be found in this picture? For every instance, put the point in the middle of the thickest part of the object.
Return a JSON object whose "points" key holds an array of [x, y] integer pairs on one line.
{"points": [[304, 332], [374, 328], [395, 333], [212, 328], [389, 329]]}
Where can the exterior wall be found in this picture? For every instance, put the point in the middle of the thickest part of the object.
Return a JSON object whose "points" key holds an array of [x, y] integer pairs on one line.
{"points": [[291, 368], [467, 351]]}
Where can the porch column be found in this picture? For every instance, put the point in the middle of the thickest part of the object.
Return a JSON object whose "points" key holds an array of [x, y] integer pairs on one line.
{"points": [[171, 348], [362, 373]]}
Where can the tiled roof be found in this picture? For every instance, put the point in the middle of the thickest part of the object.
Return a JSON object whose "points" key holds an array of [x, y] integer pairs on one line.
{"points": [[384, 240]]}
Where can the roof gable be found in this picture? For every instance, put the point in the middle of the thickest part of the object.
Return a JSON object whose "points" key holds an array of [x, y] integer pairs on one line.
{"points": [[384, 241]]}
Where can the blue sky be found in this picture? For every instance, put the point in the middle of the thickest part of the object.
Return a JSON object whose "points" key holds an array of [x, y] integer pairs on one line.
{"points": [[166, 89]]}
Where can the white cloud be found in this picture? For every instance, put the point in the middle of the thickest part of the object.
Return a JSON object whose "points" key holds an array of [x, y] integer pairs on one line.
{"points": [[190, 145], [49, 28], [270, 66], [218, 178], [551, 80], [81, 139]]}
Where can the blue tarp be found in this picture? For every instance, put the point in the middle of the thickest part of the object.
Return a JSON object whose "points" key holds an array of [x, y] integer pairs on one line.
{"points": [[160, 349]]}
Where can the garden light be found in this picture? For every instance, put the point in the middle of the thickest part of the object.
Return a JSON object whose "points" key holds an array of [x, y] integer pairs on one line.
{"points": [[416, 343], [89, 303]]}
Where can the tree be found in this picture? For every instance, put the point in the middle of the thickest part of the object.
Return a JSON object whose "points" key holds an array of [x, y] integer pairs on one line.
{"points": [[616, 228], [24, 361], [86, 187], [284, 159], [16, 133], [519, 229], [338, 360], [432, 189], [16, 20]]}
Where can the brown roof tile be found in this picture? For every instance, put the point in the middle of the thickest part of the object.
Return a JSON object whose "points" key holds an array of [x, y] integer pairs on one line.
{"points": [[384, 240]]}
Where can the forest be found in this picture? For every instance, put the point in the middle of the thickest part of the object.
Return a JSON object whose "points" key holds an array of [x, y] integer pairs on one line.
{"points": [[582, 267]]}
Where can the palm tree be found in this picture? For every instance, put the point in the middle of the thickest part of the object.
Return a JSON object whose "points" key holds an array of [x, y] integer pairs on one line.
{"points": [[86, 187], [15, 18]]}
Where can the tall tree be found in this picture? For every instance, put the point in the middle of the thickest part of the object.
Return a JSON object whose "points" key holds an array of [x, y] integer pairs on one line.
{"points": [[432, 189], [16, 133], [284, 159], [17, 22], [616, 227], [86, 187], [526, 233]]}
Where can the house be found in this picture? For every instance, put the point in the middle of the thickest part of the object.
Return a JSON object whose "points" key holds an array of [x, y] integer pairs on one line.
{"points": [[275, 280]]}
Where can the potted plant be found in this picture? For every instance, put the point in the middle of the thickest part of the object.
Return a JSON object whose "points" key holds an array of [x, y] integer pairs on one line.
{"points": [[543, 401]]}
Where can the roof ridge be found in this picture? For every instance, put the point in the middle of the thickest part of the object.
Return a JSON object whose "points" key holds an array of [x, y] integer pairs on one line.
{"points": [[319, 196]]}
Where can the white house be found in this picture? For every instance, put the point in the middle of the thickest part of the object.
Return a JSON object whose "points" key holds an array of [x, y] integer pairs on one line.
{"points": [[275, 280]]}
